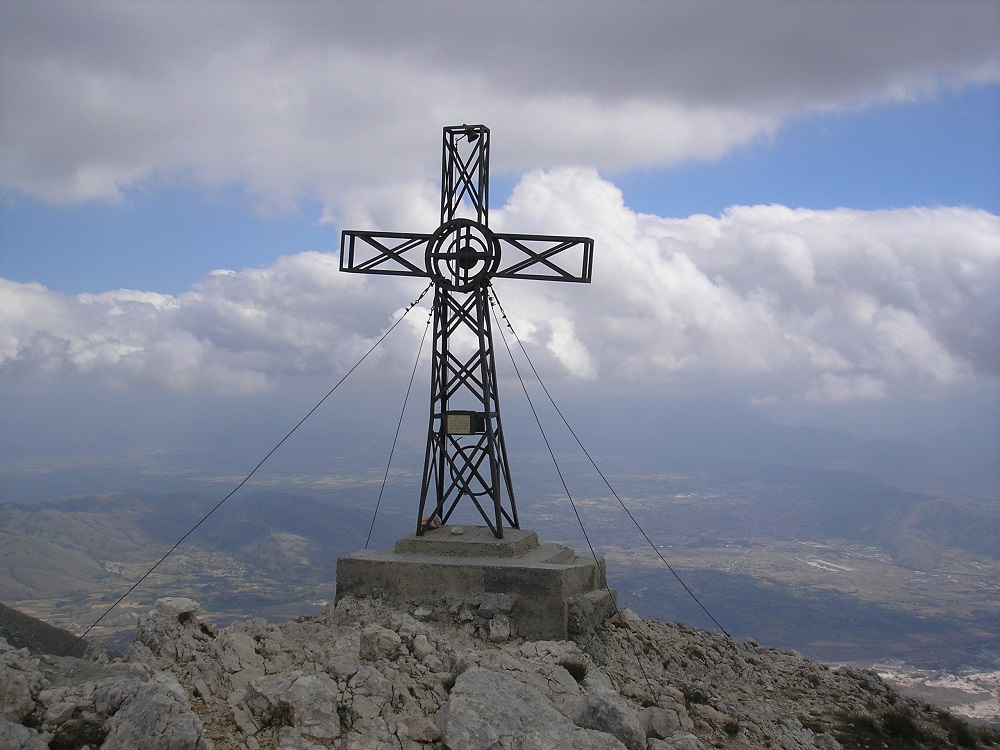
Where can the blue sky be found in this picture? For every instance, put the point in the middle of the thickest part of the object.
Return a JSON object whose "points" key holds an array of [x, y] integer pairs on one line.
{"points": [[162, 239], [795, 205], [939, 151]]}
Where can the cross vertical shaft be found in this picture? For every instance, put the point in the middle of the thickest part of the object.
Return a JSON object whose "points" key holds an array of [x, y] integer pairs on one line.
{"points": [[465, 454]]}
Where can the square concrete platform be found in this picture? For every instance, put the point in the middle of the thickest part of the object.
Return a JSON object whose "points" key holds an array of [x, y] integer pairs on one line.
{"points": [[543, 590]]}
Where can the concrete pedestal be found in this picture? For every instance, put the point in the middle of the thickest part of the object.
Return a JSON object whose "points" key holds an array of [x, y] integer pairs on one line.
{"points": [[543, 590]]}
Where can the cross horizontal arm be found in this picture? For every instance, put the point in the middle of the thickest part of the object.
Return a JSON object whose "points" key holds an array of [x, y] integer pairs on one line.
{"points": [[545, 257], [390, 253]]}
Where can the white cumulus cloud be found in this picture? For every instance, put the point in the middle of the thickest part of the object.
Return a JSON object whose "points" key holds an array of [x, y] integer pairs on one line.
{"points": [[830, 305]]}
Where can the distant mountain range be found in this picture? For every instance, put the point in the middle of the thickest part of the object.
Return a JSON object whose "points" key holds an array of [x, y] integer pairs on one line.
{"points": [[692, 435], [64, 546], [708, 478]]}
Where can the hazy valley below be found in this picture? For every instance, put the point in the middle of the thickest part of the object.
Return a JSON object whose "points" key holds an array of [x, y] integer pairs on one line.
{"points": [[800, 544]]}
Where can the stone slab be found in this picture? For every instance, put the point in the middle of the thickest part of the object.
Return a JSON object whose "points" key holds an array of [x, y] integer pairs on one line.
{"points": [[469, 541], [544, 581]]}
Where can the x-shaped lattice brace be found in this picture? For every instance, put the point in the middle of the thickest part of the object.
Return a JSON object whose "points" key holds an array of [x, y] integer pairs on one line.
{"points": [[466, 455]]}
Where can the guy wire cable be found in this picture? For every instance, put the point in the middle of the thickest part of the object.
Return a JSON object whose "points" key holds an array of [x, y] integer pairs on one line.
{"points": [[252, 472], [604, 478], [562, 479], [399, 426]]}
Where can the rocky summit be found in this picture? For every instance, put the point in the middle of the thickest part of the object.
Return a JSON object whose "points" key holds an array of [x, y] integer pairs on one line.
{"points": [[364, 674]]}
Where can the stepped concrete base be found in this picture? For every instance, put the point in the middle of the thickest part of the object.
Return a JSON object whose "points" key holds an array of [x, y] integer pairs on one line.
{"points": [[542, 591]]}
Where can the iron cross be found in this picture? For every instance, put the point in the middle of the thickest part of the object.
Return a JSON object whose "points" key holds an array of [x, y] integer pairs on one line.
{"points": [[466, 455]]}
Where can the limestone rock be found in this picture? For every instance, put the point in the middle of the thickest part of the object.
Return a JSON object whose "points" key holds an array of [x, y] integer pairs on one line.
{"points": [[307, 702], [367, 675], [15, 736], [826, 742], [158, 717], [313, 699], [488, 710], [19, 680], [343, 667], [499, 628], [176, 606], [608, 712], [15, 695], [379, 643], [421, 729], [59, 713], [421, 647], [659, 723], [171, 631], [680, 742]]}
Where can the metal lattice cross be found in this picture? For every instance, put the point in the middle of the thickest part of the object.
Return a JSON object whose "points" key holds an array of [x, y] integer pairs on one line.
{"points": [[466, 455]]}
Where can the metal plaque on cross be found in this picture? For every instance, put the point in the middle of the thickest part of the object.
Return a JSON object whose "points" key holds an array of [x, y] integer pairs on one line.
{"points": [[466, 456]]}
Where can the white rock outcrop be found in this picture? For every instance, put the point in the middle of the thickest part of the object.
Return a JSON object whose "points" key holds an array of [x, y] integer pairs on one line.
{"points": [[66, 702], [490, 709], [366, 676]]}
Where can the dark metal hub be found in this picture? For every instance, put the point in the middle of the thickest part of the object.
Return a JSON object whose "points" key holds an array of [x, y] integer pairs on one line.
{"points": [[462, 255]]}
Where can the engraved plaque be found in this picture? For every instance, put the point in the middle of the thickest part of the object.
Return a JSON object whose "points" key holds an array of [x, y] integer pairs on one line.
{"points": [[459, 423]]}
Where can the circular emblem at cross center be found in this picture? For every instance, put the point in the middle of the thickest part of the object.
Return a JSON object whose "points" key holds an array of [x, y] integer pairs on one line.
{"points": [[462, 254]]}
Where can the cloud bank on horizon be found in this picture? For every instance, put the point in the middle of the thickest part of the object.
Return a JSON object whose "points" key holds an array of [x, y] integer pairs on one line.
{"points": [[848, 304], [343, 103]]}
